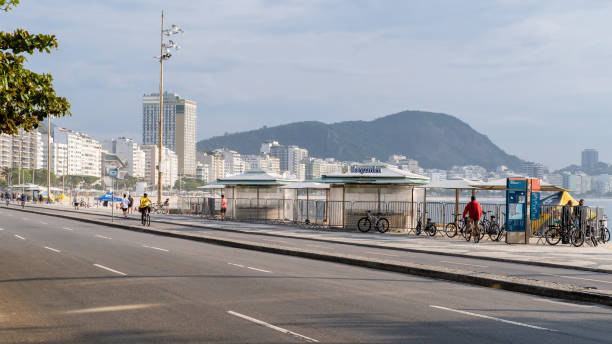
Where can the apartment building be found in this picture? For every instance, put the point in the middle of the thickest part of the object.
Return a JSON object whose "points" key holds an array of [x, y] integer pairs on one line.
{"points": [[169, 165]]}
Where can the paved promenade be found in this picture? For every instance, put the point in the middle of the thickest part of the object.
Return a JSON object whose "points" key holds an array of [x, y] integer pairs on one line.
{"points": [[586, 257]]}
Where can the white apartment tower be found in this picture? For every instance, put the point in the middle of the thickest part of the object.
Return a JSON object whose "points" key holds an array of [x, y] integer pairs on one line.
{"points": [[169, 166], [179, 127], [25, 149], [129, 151], [75, 153]]}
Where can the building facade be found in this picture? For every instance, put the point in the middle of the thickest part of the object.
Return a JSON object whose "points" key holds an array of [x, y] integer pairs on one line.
{"points": [[179, 127], [128, 150], [75, 153], [169, 165]]}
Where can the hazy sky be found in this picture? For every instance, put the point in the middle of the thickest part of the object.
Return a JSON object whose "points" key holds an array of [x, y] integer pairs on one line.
{"points": [[534, 76]]}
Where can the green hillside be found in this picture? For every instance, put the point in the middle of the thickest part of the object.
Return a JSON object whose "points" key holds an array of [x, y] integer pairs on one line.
{"points": [[435, 140]]}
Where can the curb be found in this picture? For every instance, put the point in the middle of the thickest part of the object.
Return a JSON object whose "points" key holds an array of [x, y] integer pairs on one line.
{"points": [[534, 287], [413, 250]]}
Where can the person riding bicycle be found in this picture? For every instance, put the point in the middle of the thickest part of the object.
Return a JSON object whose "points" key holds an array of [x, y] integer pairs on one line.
{"points": [[145, 205], [474, 211]]}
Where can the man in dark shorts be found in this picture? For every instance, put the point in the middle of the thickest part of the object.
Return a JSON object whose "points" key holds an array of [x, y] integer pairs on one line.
{"points": [[130, 204], [223, 207]]}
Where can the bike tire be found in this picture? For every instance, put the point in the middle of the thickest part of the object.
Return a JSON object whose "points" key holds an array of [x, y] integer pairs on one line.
{"points": [[467, 234], [418, 229], [431, 229], [479, 235], [577, 238], [148, 220], [553, 236], [494, 232], [364, 224], [382, 225], [450, 229], [481, 232]]}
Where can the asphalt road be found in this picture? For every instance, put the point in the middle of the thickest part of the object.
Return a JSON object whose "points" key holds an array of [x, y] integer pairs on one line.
{"points": [[66, 281]]}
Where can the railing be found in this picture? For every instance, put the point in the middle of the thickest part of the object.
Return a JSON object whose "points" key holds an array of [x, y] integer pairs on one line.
{"points": [[338, 214]]}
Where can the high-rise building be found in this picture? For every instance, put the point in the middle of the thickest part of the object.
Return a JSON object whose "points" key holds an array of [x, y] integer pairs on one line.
{"points": [[290, 157], [169, 165], [128, 150], [179, 127], [25, 150], [215, 164], [533, 169], [75, 153], [590, 158]]}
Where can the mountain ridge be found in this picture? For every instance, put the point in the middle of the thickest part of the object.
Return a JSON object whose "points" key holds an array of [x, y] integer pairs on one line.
{"points": [[436, 140]]}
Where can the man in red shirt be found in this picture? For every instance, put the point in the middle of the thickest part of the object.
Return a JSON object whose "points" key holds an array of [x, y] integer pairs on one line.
{"points": [[474, 211]]}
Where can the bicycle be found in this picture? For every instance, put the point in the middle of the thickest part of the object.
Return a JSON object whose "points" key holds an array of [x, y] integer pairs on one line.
{"points": [[430, 227], [451, 228], [380, 223], [145, 219], [472, 230], [604, 233], [158, 208], [490, 227]]}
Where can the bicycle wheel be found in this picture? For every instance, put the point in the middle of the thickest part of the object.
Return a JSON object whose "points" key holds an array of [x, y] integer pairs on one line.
{"points": [[364, 224], [431, 229], [494, 232], [148, 220], [481, 232], [478, 234], [450, 229], [382, 225], [553, 236], [418, 229], [593, 237], [467, 233], [577, 237]]}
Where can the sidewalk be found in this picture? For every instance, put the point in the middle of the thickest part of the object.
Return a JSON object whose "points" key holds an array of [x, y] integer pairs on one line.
{"points": [[582, 258]]}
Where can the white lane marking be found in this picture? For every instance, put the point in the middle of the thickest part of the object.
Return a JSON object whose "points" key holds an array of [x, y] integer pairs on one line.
{"points": [[1, 229], [476, 265], [279, 329], [382, 254], [579, 278], [68, 229], [109, 269], [563, 303], [238, 265], [43, 222], [156, 248], [103, 237], [248, 267], [19, 236], [52, 249], [111, 308], [493, 318]]}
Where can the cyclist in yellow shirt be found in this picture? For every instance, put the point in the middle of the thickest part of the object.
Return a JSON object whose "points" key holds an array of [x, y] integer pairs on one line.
{"points": [[145, 206]]}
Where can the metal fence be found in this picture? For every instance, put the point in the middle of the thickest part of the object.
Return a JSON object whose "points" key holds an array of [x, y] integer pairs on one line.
{"points": [[338, 214]]}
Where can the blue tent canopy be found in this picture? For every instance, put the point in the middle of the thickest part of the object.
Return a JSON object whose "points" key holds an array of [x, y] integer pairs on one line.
{"points": [[109, 198]]}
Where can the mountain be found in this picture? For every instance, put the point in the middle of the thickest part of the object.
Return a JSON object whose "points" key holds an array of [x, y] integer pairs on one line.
{"points": [[436, 140]]}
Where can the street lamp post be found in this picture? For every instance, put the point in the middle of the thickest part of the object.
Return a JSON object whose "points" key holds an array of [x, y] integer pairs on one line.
{"points": [[48, 159], [164, 55]]}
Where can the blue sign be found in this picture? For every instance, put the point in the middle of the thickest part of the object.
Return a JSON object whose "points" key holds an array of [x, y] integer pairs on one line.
{"points": [[516, 205], [535, 206], [113, 172]]}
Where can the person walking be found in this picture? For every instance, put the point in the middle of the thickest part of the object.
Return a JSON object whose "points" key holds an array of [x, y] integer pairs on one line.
{"points": [[474, 211], [223, 207], [75, 202], [167, 206], [125, 204], [130, 204]]}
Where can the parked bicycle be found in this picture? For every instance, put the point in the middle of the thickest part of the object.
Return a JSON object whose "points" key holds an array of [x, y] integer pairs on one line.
{"points": [[380, 223], [490, 226], [604, 233], [452, 228], [430, 227]]}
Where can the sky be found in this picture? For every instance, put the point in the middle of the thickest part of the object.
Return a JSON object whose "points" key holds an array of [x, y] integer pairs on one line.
{"points": [[534, 76]]}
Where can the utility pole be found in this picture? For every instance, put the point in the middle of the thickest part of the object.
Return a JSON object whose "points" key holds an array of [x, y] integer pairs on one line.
{"points": [[48, 159], [164, 55]]}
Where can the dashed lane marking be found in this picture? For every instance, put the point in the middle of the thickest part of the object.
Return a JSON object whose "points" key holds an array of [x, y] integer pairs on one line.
{"points": [[266, 271], [156, 248], [273, 327], [238, 265], [103, 237], [19, 236], [43, 222], [52, 249], [67, 228], [493, 318], [109, 269]]}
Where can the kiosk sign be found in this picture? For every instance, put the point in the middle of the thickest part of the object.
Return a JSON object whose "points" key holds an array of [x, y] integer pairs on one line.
{"points": [[516, 204], [366, 169]]}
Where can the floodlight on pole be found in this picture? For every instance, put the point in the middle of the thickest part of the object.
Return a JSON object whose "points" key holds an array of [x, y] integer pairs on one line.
{"points": [[164, 54]]}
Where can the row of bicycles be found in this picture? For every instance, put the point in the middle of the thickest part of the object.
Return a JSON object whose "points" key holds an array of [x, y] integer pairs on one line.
{"points": [[573, 233], [593, 232]]}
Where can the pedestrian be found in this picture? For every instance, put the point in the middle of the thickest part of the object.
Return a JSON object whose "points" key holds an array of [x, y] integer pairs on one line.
{"points": [[130, 204], [223, 207], [125, 204], [567, 218], [75, 202], [580, 215], [474, 211], [167, 206], [40, 198]]}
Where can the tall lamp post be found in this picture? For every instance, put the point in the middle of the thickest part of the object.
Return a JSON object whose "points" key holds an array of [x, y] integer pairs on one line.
{"points": [[164, 55]]}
